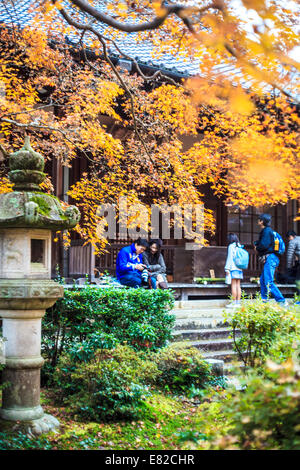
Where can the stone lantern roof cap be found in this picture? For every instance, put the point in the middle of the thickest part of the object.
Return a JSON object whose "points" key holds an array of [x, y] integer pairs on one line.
{"points": [[26, 167], [27, 206]]}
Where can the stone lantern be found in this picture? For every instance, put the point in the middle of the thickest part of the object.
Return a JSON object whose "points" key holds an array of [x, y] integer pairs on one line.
{"points": [[27, 217]]}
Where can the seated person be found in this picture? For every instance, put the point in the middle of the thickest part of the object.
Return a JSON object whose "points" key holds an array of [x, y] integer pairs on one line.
{"points": [[130, 270], [155, 263]]}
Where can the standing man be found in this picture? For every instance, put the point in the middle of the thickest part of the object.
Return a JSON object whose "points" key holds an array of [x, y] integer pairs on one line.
{"points": [[265, 249], [130, 269], [293, 257]]}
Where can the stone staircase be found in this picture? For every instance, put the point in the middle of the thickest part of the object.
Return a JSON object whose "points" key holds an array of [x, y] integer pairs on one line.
{"points": [[201, 323]]}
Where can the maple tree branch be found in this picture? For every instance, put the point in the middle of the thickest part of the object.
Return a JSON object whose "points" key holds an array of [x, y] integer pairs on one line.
{"points": [[41, 127], [136, 130], [166, 10], [235, 54], [146, 78], [88, 27], [155, 75], [32, 124], [29, 111], [181, 12]]}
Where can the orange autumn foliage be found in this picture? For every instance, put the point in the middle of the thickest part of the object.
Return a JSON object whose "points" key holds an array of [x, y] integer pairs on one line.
{"points": [[246, 139]]}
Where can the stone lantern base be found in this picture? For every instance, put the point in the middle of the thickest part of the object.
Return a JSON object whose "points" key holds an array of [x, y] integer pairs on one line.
{"points": [[22, 306], [27, 218], [35, 427]]}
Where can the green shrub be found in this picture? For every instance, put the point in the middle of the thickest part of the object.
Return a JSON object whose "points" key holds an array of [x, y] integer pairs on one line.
{"points": [[182, 368], [138, 317], [256, 327], [85, 350], [266, 415], [285, 346], [107, 386]]}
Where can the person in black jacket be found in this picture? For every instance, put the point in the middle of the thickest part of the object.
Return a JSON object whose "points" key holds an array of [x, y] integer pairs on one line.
{"points": [[265, 249], [293, 259]]}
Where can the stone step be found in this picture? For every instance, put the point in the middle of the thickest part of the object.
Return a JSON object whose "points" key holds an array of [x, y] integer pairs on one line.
{"points": [[213, 312], [201, 324], [200, 334], [230, 368], [200, 304], [208, 302], [197, 323], [225, 355], [213, 345]]}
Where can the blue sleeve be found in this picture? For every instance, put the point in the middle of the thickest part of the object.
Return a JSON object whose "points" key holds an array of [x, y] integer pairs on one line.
{"points": [[124, 265]]}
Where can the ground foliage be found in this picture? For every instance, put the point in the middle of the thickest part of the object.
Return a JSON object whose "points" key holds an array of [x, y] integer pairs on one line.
{"points": [[111, 384], [164, 423], [249, 146], [262, 416]]}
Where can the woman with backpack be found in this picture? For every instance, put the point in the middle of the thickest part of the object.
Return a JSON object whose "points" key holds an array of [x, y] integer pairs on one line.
{"points": [[233, 273]]}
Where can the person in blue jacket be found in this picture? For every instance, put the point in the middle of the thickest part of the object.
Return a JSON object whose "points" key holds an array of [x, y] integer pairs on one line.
{"points": [[264, 247], [130, 270]]}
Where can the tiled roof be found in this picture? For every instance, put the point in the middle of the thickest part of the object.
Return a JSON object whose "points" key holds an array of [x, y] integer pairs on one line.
{"points": [[17, 12]]}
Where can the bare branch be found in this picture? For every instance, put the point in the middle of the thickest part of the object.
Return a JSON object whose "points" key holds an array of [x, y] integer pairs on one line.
{"points": [[181, 12], [88, 27], [29, 111], [157, 74], [33, 125], [166, 10]]}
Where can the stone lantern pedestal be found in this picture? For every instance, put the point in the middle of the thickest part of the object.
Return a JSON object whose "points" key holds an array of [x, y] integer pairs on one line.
{"points": [[27, 217], [22, 306]]}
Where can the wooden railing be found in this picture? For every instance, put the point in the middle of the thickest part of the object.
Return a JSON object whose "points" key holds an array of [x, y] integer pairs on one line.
{"points": [[82, 260]]}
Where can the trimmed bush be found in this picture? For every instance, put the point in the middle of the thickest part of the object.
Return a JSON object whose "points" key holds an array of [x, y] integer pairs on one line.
{"points": [[110, 384], [137, 317]]}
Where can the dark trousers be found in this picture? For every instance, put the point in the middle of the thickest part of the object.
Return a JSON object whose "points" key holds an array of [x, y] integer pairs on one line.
{"points": [[134, 279], [291, 276], [267, 285]]}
